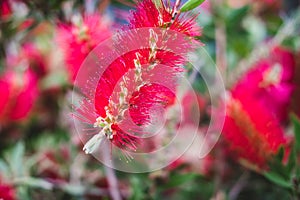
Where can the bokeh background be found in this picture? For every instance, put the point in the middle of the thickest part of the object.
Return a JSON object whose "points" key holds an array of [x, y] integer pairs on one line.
{"points": [[256, 46]]}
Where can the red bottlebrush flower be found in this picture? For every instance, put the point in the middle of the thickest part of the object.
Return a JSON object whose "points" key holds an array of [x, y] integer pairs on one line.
{"points": [[270, 81], [122, 139], [122, 97], [19, 83], [253, 133], [257, 105], [121, 65], [148, 14], [5, 10], [78, 39], [7, 192], [148, 97], [18, 93]]}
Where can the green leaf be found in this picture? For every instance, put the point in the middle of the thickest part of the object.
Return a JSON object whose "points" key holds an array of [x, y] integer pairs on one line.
{"points": [[179, 179], [296, 123], [138, 188], [277, 167], [280, 154], [23, 193], [292, 161], [34, 183], [4, 169], [15, 159], [235, 15], [277, 179], [190, 5], [75, 190]]}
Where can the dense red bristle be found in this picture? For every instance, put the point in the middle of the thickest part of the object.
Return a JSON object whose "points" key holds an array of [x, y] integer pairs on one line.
{"points": [[76, 47], [258, 104], [143, 96]]}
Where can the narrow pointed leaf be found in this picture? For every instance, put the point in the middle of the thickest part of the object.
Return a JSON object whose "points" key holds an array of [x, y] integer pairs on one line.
{"points": [[292, 161], [280, 155], [190, 5], [277, 179], [4, 169], [296, 123], [15, 159]]}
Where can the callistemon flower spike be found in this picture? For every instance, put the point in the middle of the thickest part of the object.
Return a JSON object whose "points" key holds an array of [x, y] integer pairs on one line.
{"points": [[78, 38], [150, 14], [253, 125], [127, 91]]}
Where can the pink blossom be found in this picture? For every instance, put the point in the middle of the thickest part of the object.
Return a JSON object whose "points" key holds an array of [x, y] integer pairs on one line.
{"points": [[270, 82], [257, 105], [7, 192], [77, 40], [19, 92], [5, 9], [253, 133]]}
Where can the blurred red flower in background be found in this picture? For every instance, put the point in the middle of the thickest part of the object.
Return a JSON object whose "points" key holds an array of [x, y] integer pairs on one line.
{"points": [[79, 38], [19, 92], [252, 131], [7, 192], [5, 10], [19, 83], [256, 107], [271, 82]]}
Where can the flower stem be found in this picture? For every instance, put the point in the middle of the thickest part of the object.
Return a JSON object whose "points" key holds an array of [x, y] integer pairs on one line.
{"points": [[238, 186], [221, 60], [111, 177], [221, 39]]}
